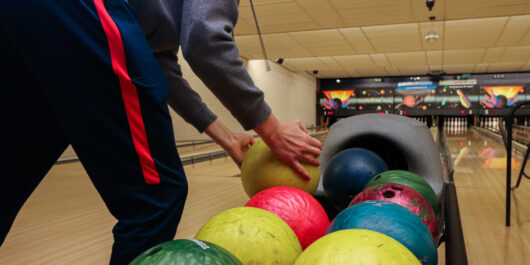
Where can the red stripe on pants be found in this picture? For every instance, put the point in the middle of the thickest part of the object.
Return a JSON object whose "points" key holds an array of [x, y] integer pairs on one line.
{"points": [[129, 94]]}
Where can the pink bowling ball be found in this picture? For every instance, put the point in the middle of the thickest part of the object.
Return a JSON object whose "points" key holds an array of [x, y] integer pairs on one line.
{"points": [[297, 208]]}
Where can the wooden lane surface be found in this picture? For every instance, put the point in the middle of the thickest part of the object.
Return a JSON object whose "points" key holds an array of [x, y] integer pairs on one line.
{"points": [[480, 177], [66, 222]]}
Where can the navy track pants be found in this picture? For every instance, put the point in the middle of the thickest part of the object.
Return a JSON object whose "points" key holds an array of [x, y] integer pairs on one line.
{"points": [[80, 72]]}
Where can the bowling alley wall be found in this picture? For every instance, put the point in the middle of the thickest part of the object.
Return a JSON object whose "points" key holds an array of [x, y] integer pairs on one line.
{"points": [[475, 95]]}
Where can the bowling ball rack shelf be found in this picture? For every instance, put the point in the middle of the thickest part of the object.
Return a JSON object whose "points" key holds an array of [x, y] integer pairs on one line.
{"points": [[450, 222]]}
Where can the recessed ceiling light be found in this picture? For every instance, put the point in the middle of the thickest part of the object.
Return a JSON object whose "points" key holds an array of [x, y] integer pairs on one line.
{"points": [[432, 37]]}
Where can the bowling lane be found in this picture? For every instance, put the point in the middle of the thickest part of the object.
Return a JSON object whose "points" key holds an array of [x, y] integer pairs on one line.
{"points": [[480, 177]]}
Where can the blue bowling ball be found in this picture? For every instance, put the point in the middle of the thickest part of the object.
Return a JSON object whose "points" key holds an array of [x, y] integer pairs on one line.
{"points": [[392, 220], [348, 172]]}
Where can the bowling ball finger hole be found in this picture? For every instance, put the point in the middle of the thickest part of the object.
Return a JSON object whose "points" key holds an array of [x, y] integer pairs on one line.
{"points": [[154, 251], [397, 188], [388, 194]]}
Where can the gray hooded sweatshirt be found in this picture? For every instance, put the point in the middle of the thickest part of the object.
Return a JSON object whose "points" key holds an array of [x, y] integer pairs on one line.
{"points": [[203, 29]]}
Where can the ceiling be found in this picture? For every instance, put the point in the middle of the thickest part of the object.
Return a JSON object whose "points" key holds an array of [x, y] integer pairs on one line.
{"points": [[361, 38]]}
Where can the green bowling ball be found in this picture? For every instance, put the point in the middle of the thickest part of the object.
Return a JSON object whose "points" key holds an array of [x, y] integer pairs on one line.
{"points": [[186, 252]]}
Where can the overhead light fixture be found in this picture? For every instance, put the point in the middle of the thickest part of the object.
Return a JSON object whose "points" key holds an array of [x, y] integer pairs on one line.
{"points": [[432, 37], [338, 81]]}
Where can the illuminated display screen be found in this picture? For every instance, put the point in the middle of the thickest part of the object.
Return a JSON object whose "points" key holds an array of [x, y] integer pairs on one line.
{"points": [[498, 97], [498, 100], [375, 100], [414, 100], [457, 99], [337, 99]]}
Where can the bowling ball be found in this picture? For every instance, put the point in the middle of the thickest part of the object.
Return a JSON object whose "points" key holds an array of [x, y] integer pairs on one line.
{"points": [[253, 235], [410, 180], [357, 246], [186, 252], [348, 172], [297, 208], [405, 197], [261, 169], [394, 221]]}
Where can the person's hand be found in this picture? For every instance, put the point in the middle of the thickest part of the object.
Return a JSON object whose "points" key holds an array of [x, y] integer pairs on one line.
{"points": [[290, 142], [236, 144], [239, 144]]}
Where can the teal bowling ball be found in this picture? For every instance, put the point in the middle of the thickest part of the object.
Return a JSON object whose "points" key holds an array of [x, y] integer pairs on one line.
{"points": [[392, 220], [348, 172]]}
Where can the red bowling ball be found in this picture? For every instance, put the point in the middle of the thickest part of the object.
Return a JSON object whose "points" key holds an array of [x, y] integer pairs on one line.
{"points": [[297, 208], [405, 197]]}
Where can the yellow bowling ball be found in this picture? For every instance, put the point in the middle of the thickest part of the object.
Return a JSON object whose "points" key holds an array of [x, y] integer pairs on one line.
{"points": [[357, 247], [261, 170], [255, 236]]}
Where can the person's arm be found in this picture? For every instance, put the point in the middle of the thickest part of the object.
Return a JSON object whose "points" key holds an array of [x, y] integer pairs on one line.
{"points": [[207, 45], [189, 105]]}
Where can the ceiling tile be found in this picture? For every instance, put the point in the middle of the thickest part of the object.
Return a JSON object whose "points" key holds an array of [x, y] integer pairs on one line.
{"points": [[505, 67], [526, 67], [514, 31], [323, 42], [372, 71], [330, 63], [303, 64], [435, 57], [324, 15], [493, 54], [392, 70], [380, 59], [414, 70], [473, 33], [358, 40], [458, 68], [332, 74], [481, 68], [458, 9], [284, 46], [516, 54], [464, 56], [407, 58], [354, 61], [394, 38]]}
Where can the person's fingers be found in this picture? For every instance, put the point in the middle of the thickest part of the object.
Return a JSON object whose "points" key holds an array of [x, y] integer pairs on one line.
{"points": [[310, 160], [299, 123], [314, 142], [313, 151], [297, 167]]}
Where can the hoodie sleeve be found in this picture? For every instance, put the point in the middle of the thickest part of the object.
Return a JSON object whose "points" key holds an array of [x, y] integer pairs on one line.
{"points": [[182, 98], [208, 46]]}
